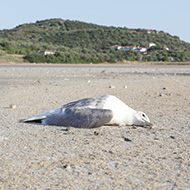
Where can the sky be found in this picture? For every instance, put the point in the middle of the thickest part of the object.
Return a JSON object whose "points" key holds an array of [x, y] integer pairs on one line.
{"points": [[170, 16]]}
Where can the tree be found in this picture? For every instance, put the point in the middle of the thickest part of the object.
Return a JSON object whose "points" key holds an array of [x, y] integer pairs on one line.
{"points": [[166, 57]]}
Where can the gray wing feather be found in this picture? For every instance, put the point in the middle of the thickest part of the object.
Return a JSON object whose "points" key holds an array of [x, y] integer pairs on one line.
{"points": [[80, 118], [42, 116]]}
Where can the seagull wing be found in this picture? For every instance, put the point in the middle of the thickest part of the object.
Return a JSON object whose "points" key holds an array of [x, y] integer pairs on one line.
{"points": [[39, 118], [83, 117], [42, 117]]}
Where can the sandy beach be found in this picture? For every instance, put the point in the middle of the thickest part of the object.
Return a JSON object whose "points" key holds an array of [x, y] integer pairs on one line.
{"points": [[109, 157]]}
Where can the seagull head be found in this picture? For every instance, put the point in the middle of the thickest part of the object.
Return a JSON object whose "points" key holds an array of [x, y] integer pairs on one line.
{"points": [[141, 119]]}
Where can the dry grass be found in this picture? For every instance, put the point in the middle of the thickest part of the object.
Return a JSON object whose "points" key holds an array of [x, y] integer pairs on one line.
{"points": [[11, 58]]}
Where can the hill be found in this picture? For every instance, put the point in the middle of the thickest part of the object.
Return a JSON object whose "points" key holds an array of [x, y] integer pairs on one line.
{"points": [[80, 42]]}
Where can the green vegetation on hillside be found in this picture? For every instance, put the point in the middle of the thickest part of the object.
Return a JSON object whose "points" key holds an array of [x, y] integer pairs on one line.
{"points": [[79, 42]]}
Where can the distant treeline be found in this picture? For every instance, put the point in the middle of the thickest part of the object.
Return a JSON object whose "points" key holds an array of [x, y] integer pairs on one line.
{"points": [[79, 42]]}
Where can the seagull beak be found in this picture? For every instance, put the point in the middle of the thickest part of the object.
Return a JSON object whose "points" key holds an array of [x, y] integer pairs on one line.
{"points": [[148, 124]]}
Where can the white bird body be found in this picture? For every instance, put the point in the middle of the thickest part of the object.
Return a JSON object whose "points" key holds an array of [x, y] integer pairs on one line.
{"points": [[122, 114], [93, 112]]}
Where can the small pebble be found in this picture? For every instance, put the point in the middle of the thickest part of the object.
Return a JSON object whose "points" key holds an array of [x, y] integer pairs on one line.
{"points": [[65, 166], [172, 137], [165, 88], [169, 94], [111, 86], [126, 139], [161, 95], [38, 81], [97, 133], [13, 106], [68, 129], [124, 86]]}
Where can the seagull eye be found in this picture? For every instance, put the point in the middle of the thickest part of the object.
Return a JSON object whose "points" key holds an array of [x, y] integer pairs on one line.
{"points": [[143, 115]]}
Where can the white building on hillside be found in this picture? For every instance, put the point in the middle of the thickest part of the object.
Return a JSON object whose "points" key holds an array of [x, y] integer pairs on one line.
{"points": [[151, 45], [142, 50], [47, 52]]}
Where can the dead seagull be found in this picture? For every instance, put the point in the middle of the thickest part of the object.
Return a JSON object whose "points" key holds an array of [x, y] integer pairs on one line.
{"points": [[92, 113]]}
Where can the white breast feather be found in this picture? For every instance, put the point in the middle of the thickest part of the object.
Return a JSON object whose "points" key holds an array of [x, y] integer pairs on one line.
{"points": [[122, 114]]}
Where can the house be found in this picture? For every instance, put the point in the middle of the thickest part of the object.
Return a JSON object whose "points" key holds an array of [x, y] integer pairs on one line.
{"points": [[116, 47], [47, 52], [151, 45], [150, 31], [142, 50]]}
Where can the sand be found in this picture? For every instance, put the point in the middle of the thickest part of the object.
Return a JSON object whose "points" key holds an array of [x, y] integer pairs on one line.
{"points": [[109, 157]]}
